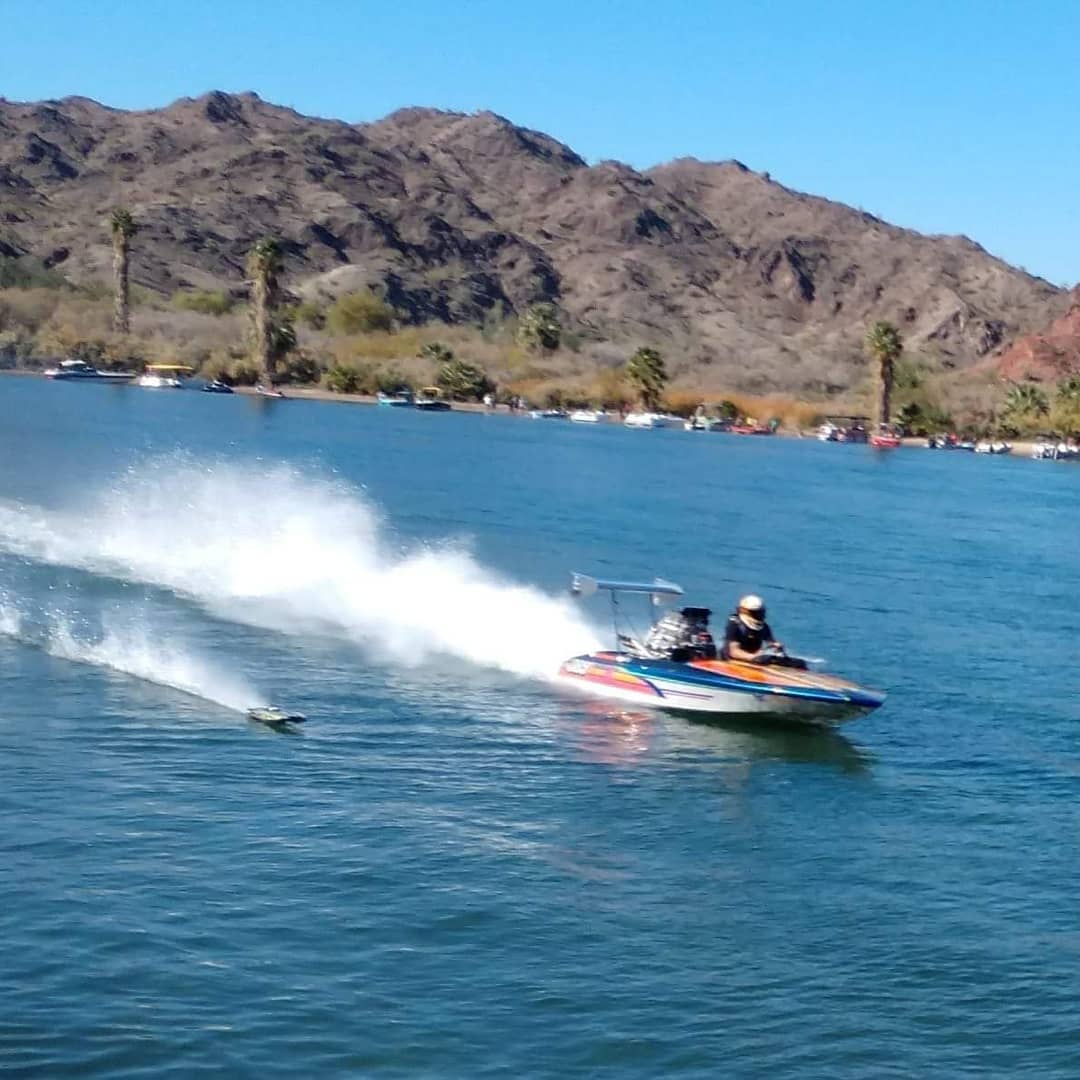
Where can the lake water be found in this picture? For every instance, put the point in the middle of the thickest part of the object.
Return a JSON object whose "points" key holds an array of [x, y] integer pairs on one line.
{"points": [[452, 870]]}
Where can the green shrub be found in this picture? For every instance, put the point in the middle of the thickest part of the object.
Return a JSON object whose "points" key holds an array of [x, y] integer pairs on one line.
{"points": [[436, 352], [299, 367], [539, 328], [359, 313], [245, 373], [310, 314], [462, 381], [350, 379], [26, 272], [391, 379], [204, 301]]}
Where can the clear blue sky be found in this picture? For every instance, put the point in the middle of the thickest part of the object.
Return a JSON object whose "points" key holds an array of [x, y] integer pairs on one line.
{"points": [[952, 116]]}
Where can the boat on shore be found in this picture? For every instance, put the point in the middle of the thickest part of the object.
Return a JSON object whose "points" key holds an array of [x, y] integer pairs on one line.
{"points": [[1051, 449], [649, 420], [705, 423], [986, 446], [216, 386], [164, 376], [399, 399], [843, 429], [686, 676], [885, 438], [81, 371], [430, 399]]}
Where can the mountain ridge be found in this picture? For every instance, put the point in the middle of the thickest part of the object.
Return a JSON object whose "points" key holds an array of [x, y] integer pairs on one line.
{"points": [[456, 216]]}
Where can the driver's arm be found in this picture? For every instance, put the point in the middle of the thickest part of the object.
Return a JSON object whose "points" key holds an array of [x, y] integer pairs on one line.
{"points": [[736, 652]]}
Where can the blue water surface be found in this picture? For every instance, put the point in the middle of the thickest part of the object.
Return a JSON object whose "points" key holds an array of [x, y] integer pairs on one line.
{"points": [[452, 870]]}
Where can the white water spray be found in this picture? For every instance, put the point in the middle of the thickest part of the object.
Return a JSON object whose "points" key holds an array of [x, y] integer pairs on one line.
{"points": [[10, 621], [271, 547], [132, 651]]}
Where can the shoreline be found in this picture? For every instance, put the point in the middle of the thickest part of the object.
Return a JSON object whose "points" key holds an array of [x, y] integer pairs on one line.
{"points": [[1021, 448]]}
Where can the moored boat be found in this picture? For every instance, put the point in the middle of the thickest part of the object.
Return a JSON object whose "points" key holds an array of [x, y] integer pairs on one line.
{"points": [[430, 399], [164, 376], [399, 399], [80, 370], [216, 386], [885, 438], [588, 416], [645, 420]]}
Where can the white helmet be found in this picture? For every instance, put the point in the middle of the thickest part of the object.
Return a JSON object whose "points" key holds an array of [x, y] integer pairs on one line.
{"points": [[752, 611]]}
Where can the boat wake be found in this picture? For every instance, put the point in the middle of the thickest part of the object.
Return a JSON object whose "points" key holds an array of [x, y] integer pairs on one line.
{"points": [[270, 547], [131, 651]]}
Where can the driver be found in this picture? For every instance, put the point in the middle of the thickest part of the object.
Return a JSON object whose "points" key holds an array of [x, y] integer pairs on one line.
{"points": [[747, 636]]}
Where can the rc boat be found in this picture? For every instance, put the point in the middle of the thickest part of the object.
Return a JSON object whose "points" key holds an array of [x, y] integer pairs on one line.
{"points": [[679, 670], [274, 716]]}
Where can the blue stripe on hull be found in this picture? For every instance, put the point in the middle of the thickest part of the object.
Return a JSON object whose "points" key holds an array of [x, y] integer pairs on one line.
{"points": [[682, 673]]}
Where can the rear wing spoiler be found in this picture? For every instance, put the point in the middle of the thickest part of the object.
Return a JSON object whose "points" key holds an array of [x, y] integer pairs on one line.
{"points": [[583, 585]]}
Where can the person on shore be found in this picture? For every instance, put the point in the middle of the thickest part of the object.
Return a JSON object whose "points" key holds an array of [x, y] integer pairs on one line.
{"points": [[747, 636]]}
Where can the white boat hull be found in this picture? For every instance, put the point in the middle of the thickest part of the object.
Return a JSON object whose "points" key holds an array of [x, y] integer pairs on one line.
{"points": [[720, 689], [159, 382]]}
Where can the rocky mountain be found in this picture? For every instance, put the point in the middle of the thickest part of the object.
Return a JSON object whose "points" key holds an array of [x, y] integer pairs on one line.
{"points": [[743, 282], [1051, 354]]}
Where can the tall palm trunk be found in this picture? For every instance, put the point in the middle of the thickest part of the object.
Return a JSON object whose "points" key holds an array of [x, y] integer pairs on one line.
{"points": [[264, 266], [262, 329], [123, 229], [885, 388], [122, 297]]}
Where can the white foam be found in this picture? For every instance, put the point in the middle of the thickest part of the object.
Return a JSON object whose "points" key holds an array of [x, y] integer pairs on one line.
{"points": [[154, 661], [10, 621], [270, 546], [132, 651]]}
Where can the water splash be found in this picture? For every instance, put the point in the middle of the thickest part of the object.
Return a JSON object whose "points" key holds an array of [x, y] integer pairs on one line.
{"points": [[273, 547], [10, 620], [134, 651]]}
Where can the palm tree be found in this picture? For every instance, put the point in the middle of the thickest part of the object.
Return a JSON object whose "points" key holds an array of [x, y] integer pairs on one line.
{"points": [[1025, 406], [264, 267], [645, 369], [884, 344], [540, 328], [123, 229]]}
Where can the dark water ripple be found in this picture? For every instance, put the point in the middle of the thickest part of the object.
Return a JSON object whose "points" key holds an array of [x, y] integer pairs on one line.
{"points": [[450, 871]]}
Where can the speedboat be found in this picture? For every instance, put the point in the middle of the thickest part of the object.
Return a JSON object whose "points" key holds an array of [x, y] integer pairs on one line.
{"points": [[399, 399], [548, 414], [986, 446], [79, 370], [164, 376], [885, 438], [430, 399], [275, 716], [703, 423], [588, 416], [645, 420], [687, 677], [216, 386]]}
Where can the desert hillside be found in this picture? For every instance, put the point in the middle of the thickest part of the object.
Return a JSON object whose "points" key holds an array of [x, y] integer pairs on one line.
{"points": [[461, 218]]}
